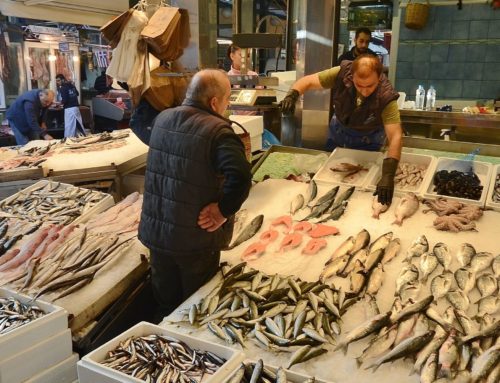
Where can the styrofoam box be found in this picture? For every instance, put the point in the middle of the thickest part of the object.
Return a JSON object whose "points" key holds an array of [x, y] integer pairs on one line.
{"points": [[63, 372], [482, 169], [491, 189], [417, 159], [30, 362], [90, 370], [106, 201], [30, 334], [254, 125], [356, 157], [292, 377]]}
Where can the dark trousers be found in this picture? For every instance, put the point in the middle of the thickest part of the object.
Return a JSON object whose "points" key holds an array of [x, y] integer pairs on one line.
{"points": [[176, 278]]}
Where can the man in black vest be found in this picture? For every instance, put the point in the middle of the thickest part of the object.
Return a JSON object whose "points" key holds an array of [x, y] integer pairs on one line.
{"points": [[197, 178], [366, 112]]}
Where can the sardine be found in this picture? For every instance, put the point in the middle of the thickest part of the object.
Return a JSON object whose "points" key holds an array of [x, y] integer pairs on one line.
{"points": [[248, 232]]}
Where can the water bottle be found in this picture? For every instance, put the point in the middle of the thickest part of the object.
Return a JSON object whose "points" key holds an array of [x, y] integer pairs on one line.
{"points": [[420, 98], [431, 99]]}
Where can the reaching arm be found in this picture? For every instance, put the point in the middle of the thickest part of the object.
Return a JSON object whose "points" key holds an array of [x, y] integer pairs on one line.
{"points": [[302, 85], [394, 134]]}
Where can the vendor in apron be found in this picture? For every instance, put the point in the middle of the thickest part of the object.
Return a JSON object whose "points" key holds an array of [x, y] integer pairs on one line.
{"points": [[366, 112], [73, 123]]}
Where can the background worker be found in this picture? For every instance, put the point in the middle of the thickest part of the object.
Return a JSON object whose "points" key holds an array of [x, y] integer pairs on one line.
{"points": [[366, 112], [73, 123], [362, 40], [26, 115], [197, 178]]}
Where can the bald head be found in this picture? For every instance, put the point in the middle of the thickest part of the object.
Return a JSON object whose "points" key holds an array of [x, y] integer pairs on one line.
{"points": [[207, 85], [364, 65], [46, 97]]}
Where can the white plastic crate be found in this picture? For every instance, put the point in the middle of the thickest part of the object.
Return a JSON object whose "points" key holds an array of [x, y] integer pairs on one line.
{"points": [[292, 377], [489, 196], [482, 169], [90, 370], [106, 201], [42, 356], [416, 159], [367, 159], [63, 372], [30, 334]]}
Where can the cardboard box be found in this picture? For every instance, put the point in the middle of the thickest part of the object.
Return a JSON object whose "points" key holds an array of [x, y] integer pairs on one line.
{"points": [[90, 370]]}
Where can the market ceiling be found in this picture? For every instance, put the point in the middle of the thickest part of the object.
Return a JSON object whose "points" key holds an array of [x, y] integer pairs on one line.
{"points": [[86, 12]]}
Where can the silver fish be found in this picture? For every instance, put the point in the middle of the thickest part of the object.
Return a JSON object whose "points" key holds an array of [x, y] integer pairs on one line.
{"points": [[465, 254], [408, 347], [428, 263], [488, 305], [449, 356], [443, 254], [487, 285], [408, 274], [411, 309], [430, 348], [468, 325], [361, 240], [481, 261], [441, 284], [407, 206], [430, 368], [240, 219], [410, 291], [378, 208], [248, 232], [493, 330], [458, 299], [382, 343], [296, 204], [465, 279], [486, 362], [313, 191], [381, 242], [418, 247], [376, 279]]}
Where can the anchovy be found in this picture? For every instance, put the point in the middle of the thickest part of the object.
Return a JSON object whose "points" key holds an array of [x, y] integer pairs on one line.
{"points": [[14, 314]]}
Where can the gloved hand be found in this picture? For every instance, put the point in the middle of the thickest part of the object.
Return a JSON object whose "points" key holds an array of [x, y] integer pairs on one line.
{"points": [[287, 105], [385, 187]]}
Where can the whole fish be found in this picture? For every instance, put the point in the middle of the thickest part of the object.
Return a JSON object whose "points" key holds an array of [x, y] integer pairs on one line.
{"points": [[313, 191], [407, 206], [381, 242], [335, 213], [411, 309], [439, 319], [343, 249], [240, 219], [346, 194], [335, 267], [248, 232], [392, 250], [361, 240], [359, 255], [378, 208], [418, 247], [408, 347], [486, 362], [494, 376], [328, 197], [465, 279], [441, 284], [481, 261], [487, 284], [465, 254], [449, 356], [428, 263], [468, 326], [430, 348], [296, 204], [366, 328], [373, 259], [382, 343], [410, 291], [430, 368], [376, 279], [488, 305], [358, 278], [458, 299], [406, 329], [492, 330], [408, 274], [443, 255]]}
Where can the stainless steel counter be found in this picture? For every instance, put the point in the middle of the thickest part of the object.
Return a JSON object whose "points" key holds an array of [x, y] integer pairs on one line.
{"points": [[455, 119]]}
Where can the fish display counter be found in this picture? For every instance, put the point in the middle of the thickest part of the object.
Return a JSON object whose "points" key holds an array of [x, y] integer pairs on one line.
{"points": [[98, 156], [365, 295]]}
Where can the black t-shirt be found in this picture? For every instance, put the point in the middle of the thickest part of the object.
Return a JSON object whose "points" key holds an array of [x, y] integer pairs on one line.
{"points": [[69, 95]]}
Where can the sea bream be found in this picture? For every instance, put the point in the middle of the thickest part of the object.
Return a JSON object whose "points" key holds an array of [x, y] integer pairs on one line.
{"points": [[465, 254]]}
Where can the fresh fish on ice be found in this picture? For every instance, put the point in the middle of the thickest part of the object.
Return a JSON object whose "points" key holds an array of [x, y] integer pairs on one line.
{"points": [[443, 255], [248, 232], [407, 206], [378, 208], [441, 284], [465, 254]]}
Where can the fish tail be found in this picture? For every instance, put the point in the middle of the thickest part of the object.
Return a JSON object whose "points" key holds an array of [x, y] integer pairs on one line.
{"points": [[359, 361]]}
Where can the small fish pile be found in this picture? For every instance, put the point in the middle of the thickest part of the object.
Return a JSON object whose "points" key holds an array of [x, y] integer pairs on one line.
{"points": [[362, 262], [259, 373], [275, 312], [495, 197], [29, 158], [409, 175], [160, 358], [94, 142], [52, 203], [458, 184], [348, 171], [14, 314], [12, 230], [453, 215]]}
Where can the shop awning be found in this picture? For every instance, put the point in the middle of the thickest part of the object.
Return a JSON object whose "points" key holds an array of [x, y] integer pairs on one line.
{"points": [[85, 12]]}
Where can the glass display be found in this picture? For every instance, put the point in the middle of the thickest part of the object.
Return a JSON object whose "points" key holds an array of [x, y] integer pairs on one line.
{"points": [[370, 15]]}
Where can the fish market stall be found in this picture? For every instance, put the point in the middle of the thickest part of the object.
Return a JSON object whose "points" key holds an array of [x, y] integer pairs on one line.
{"points": [[82, 264], [96, 157], [401, 254]]}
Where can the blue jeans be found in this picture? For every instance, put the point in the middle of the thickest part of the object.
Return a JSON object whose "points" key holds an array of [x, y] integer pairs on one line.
{"points": [[341, 136], [23, 138]]}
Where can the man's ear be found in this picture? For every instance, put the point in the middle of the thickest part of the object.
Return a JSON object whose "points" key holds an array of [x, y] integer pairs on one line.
{"points": [[213, 103]]}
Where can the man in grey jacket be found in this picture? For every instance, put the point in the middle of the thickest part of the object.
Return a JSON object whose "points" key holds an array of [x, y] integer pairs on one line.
{"points": [[197, 178]]}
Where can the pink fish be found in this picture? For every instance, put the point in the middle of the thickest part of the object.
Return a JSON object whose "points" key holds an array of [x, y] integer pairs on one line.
{"points": [[313, 246], [290, 241], [304, 226], [269, 236], [254, 251], [321, 230], [283, 220]]}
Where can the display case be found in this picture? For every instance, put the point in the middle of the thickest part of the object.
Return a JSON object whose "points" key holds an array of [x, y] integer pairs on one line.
{"points": [[369, 14]]}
